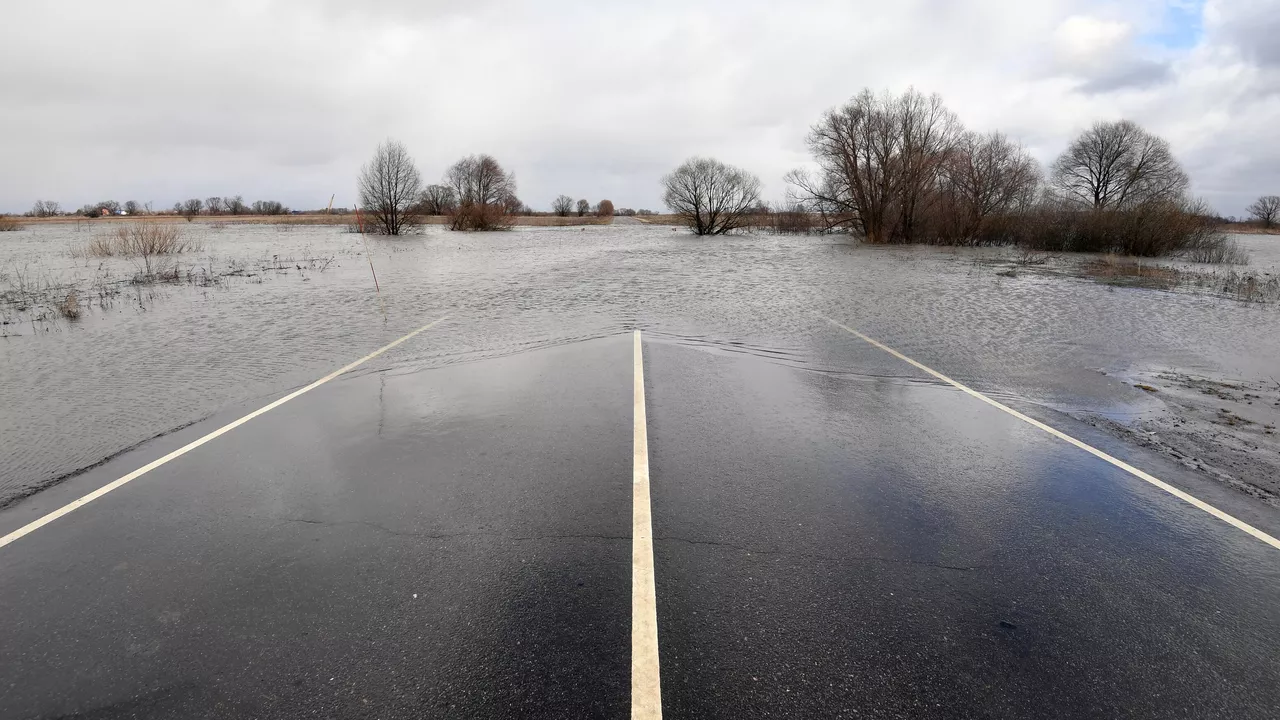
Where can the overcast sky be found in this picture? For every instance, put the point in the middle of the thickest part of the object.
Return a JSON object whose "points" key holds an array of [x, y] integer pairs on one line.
{"points": [[160, 101]]}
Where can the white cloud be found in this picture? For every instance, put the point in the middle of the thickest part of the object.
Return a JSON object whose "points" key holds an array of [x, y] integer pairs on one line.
{"points": [[161, 101]]}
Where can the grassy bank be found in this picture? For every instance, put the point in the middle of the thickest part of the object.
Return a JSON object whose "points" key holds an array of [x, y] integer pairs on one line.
{"points": [[1249, 229]]}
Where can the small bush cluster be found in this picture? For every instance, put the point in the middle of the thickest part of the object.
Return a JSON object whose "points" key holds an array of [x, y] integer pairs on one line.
{"points": [[480, 216], [140, 240]]}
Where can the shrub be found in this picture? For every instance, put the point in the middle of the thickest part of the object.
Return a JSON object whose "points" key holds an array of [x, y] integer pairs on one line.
{"points": [[140, 240], [791, 220], [69, 308], [476, 216]]}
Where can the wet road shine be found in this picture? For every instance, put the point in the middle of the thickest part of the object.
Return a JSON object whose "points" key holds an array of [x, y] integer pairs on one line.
{"points": [[633, 474], [655, 527]]}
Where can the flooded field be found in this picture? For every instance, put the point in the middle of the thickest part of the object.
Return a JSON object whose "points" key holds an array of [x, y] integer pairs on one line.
{"points": [[259, 309]]}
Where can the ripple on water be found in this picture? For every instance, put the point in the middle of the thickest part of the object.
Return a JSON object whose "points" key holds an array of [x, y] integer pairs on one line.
{"points": [[73, 394]]}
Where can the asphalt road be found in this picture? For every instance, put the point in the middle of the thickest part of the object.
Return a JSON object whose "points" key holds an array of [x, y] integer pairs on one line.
{"points": [[456, 542]]}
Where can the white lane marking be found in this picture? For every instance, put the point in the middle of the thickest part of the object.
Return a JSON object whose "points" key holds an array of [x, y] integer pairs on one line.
{"points": [[1191, 499], [77, 504], [646, 689]]}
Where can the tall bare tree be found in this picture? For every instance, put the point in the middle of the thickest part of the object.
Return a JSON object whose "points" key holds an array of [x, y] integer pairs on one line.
{"points": [[562, 205], [879, 160], [390, 188], [928, 132], [710, 197], [483, 189], [1266, 210], [133, 207], [213, 205], [1117, 166], [190, 208], [856, 147], [234, 205], [987, 176], [439, 200], [584, 207], [605, 208]]}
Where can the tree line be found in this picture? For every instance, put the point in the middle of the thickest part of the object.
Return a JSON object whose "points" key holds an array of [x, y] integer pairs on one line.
{"points": [[904, 169], [475, 193], [233, 205]]}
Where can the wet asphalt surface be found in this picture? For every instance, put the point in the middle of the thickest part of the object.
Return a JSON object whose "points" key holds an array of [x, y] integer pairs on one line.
{"points": [[455, 542]]}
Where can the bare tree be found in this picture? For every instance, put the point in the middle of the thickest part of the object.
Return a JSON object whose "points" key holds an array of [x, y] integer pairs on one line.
{"points": [[213, 205], [986, 176], [514, 205], [1265, 210], [929, 132], [856, 147], [605, 208], [710, 197], [46, 208], [438, 200], [1117, 166], [133, 207], [483, 190], [268, 207], [189, 209], [390, 188], [235, 205], [584, 207], [879, 160], [562, 205]]}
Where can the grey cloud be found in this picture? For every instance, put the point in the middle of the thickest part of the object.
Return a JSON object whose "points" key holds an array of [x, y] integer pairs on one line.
{"points": [[1134, 74], [286, 99], [1252, 27]]}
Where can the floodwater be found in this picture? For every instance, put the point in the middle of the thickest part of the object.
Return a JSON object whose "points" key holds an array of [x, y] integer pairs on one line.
{"points": [[302, 303]]}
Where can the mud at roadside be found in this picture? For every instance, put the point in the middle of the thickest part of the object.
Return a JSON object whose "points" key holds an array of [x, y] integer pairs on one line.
{"points": [[1226, 429]]}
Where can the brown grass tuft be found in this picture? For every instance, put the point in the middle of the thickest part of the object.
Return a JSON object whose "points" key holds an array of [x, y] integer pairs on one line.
{"points": [[140, 240], [69, 308], [10, 224]]}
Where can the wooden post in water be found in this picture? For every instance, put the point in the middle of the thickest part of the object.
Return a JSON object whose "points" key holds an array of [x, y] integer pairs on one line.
{"points": [[376, 286]]}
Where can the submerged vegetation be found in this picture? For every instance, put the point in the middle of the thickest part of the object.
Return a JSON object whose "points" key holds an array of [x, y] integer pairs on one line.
{"points": [[131, 265], [904, 170]]}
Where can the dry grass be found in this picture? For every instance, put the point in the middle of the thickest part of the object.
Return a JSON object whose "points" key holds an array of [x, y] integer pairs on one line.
{"points": [[1249, 228], [10, 224], [69, 308], [1240, 285], [140, 240], [659, 219], [557, 221], [1124, 270]]}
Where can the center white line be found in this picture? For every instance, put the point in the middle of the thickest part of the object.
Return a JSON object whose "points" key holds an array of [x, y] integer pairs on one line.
{"points": [[646, 689], [1186, 497], [114, 484]]}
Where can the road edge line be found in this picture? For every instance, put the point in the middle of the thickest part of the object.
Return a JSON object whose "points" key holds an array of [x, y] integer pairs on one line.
{"points": [[122, 481], [1180, 494], [646, 685]]}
